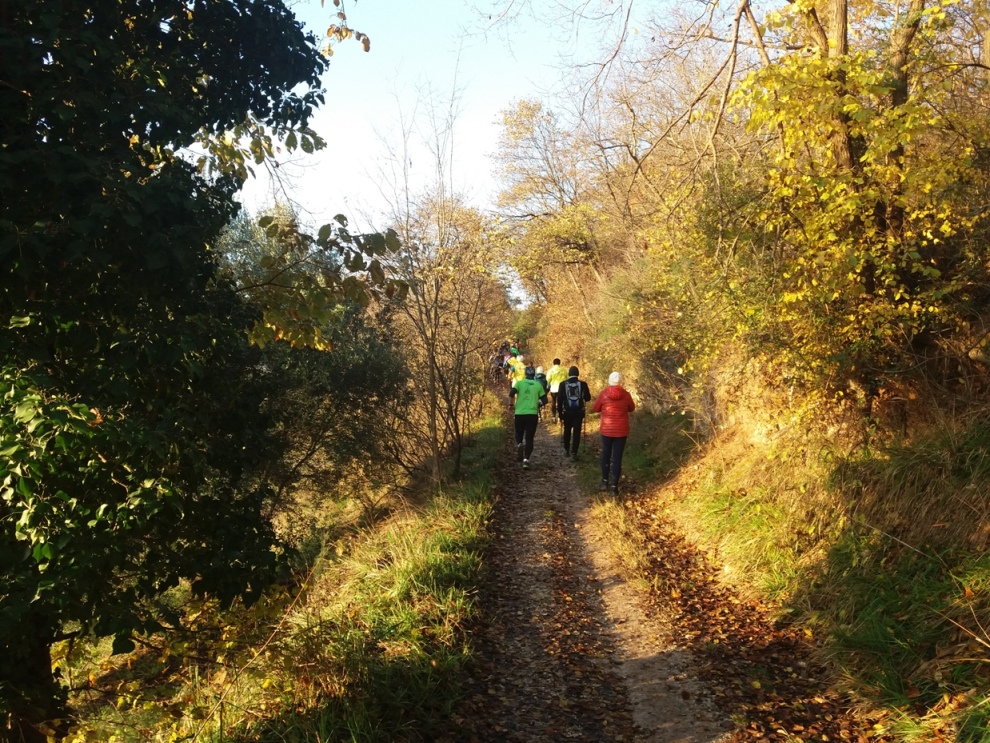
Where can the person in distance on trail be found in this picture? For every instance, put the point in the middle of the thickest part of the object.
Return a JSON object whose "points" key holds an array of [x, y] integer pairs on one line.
{"points": [[518, 370], [495, 361], [510, 366], [529, 397], [542, 379], [555, 375], [615, 404], [572, 395]]}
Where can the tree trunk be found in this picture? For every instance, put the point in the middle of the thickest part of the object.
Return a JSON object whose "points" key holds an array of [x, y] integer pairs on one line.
{"points": [[838, 49], [34, 700], [900, 46]]}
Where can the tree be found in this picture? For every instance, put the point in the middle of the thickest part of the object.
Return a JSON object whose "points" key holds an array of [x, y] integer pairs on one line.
{"points": [[331, 411], [840, 234], [456, 309], [131, 421]]}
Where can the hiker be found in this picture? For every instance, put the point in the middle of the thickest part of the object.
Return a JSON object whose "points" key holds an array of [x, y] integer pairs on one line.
{"points": [[555, 375], [529, 397], [495, 362], [510, 366], [519, 370], [572, 395], [615, 404], [542, 379]]}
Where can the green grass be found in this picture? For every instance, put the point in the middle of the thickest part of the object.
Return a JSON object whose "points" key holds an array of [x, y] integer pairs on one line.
{"points": [[907, 629], [883, 554], [656, 447], [369, 651]]}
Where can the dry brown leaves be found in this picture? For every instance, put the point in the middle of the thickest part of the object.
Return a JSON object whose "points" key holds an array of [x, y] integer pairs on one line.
{"points": [[761, 671]]}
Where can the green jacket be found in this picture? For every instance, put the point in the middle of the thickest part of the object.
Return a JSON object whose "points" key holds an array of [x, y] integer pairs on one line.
{"points": [[529, 395]]}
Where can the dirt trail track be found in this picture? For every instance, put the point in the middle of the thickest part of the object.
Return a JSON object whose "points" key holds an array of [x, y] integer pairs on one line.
{"points": [[569, 650]]}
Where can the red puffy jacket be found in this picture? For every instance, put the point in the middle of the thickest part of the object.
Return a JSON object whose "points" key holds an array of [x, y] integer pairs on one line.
{"points": [[615, 405]]}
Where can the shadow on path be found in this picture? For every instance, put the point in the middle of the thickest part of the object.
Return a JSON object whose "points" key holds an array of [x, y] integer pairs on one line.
{"points": [[566, 651]]}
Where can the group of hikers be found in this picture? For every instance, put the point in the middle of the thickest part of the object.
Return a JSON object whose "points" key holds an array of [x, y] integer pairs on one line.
{"points": [[566, 394]]}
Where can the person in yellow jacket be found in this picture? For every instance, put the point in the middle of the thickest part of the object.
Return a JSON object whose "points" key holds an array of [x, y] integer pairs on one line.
{"points": [[518, 373], [555, 375], [510, 366]]}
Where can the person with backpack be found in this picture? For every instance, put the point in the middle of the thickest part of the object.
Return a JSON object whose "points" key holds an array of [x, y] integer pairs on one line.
{"points": [[542, 379], [572, 395], [615, 404], [555, 375], [529, 398]]}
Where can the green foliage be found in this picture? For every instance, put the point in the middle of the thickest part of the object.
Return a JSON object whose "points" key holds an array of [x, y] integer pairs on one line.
{"points": [[525, 324], [905, 626], [370, 649], [132, 419], [296, 280], [333, 411]]}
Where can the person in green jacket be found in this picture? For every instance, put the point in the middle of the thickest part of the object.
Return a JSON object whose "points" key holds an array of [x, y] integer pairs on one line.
{"points": [[529, 397]]}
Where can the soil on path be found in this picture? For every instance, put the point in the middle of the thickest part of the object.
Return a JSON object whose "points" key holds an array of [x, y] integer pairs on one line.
{"points": [[569, 650]]}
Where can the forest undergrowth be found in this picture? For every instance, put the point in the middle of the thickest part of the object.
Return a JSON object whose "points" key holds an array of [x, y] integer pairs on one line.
{"points": [[364, 644], [869, 560]]}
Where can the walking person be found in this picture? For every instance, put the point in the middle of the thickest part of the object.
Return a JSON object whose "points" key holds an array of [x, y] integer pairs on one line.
{"points": [[615, 404], [555, 375], [572, 395], [529, 397], [518, 370], [542, 379]]}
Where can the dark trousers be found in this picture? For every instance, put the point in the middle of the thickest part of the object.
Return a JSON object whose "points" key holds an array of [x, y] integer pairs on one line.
{"points": [[612, 447], [572, 431], [553, 403], [526, 429]]}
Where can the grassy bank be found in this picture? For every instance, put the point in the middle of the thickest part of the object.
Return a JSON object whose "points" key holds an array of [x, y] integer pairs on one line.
{"points": [[882, 557], [366, 650]]}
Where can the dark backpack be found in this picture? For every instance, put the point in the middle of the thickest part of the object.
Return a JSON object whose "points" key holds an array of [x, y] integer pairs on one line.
{"points": [[573, 399]]}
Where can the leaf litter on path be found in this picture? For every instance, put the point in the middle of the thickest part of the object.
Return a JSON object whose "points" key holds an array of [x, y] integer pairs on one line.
{"points": [[554, 659], [569, 649]]}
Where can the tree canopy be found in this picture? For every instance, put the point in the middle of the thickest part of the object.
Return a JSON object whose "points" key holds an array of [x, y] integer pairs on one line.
{"points": [[131, 420]]}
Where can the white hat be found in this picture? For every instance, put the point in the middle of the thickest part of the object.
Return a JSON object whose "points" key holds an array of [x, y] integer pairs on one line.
{"points": [[520, 357], [539, 370], [614, 379]]}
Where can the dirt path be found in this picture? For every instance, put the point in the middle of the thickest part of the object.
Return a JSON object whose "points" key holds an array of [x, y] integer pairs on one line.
{"points": [[569, 649]]}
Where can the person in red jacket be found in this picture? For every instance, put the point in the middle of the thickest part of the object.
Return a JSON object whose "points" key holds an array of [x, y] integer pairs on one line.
{"points": [[615, 404]]}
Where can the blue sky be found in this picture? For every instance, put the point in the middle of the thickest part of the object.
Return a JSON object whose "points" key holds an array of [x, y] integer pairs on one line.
{"points": [[415, 47]]}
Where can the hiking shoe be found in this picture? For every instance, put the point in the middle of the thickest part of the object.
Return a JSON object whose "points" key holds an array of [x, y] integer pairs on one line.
{"points": [[614, 490], [574, 455], [602, 486], [519, 452], [525, 464]]}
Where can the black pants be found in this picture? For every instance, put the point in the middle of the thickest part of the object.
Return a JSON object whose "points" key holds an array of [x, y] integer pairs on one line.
{"points": [[526, 428], [612, 447], [572, 431], [553, 403]]}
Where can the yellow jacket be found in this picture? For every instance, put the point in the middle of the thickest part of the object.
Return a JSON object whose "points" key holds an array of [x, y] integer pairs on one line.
{"points": [[555, 375]]}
